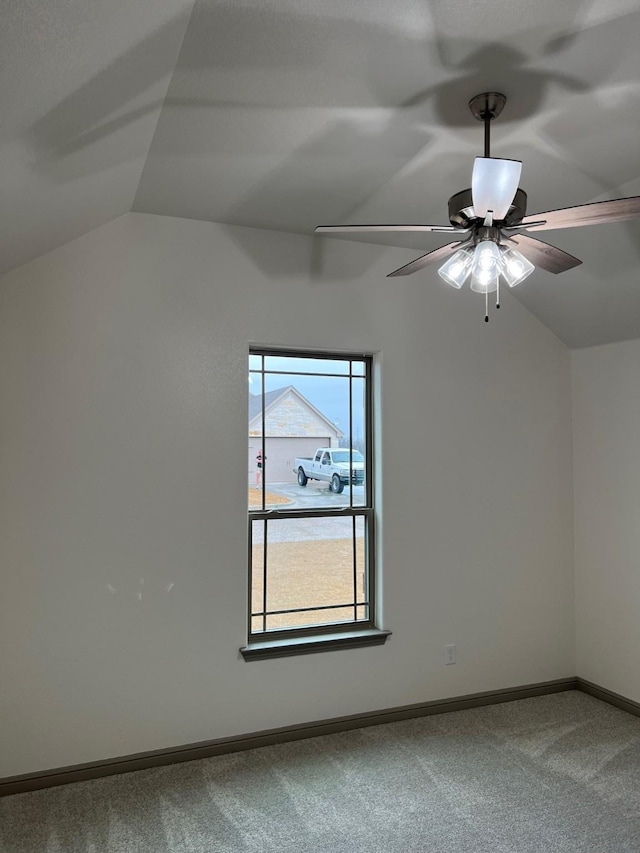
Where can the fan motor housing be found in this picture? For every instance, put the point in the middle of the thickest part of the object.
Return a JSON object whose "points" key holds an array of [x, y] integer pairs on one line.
{"points": [[461, 209]]}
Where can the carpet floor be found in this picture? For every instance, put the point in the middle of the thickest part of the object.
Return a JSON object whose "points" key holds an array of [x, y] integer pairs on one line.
{"points": [[553, 774]]}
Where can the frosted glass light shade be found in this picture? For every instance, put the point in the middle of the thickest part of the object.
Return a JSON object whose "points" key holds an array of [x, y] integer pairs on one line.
{"points": [[485, 267], [515, 267], [456, 269], [485, 282], [493, 185]]}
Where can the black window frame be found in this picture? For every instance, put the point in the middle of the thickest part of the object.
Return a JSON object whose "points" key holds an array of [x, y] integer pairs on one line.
{"points": [[330, 635]]}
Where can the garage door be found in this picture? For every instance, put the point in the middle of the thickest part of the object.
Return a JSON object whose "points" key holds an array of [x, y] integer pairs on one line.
{"points": [[281, 453]]}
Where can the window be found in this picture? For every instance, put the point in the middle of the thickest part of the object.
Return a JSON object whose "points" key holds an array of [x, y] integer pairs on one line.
{"points": [[311, 516]]}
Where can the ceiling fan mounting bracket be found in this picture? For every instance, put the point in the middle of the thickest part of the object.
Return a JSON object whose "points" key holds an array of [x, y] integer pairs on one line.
{"points": [[488, 105]]}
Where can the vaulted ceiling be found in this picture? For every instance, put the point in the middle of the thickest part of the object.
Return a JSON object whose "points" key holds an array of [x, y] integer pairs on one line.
{"points": [[286, 114]]}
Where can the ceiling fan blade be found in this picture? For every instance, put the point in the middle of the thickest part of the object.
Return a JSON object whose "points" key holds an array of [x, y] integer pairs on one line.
{"points": [[363, 229], [433, 257], [544, 255], [493, 185], [596, 213]]}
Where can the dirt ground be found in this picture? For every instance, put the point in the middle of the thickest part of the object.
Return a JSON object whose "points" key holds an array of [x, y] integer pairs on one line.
{"points": [[306, 574], [255, 498]]}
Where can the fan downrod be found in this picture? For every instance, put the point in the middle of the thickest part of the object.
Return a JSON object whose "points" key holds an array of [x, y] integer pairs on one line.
{"points": [[485, 108]]}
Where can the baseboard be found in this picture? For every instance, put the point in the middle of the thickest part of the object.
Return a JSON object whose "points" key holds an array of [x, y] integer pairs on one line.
{"points": [[608, 696], [221, 746]]}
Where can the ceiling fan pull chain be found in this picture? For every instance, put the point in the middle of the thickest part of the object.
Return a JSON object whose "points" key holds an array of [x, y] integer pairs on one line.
{"points": [[498, 294], [486, 306]]}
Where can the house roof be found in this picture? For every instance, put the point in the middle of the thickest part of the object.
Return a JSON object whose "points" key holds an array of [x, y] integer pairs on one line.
{"points": [[255, 401], [272, 398], [283, 115]]}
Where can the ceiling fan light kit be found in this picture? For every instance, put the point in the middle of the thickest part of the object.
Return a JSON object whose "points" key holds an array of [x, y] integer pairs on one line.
{"points": [[485, 269], [456, 270], [491, 218], [515, 267]]}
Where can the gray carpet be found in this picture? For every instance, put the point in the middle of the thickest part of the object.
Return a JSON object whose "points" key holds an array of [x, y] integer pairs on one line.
{"points": [[555, 773]]}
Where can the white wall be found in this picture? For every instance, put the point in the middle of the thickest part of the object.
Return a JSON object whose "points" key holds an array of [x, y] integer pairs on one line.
{"points": [[606, 400], [123, 392]]}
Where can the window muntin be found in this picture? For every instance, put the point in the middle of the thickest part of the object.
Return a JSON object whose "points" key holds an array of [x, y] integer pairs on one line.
{"points": [[310, 547]]}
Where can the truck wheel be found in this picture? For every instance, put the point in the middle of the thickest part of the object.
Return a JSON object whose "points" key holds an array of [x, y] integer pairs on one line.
{"points": [[337, 486], [302, 477]]}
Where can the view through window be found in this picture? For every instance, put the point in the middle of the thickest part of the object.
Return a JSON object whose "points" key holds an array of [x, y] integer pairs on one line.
{"points": [[310, 493]]}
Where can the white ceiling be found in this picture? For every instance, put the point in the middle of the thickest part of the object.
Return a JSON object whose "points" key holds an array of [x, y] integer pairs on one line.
{"points": [[286, 114]]}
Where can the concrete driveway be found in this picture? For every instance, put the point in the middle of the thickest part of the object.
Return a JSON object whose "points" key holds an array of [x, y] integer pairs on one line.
{"points": [[316, 495]]}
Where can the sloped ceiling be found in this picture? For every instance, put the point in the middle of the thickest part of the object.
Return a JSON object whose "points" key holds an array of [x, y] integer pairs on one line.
{"points": [[83, 82], [285, 114]]}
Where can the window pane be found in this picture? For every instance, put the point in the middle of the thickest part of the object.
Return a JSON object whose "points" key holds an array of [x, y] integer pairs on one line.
{"points": [[362, 581], [294, 364], [358, 443], [255, 446], [303, 414], [257, 574], [311, 563]]}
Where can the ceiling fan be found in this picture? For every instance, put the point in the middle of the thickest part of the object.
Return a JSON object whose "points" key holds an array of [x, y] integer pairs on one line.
{"points": [[490, 218]]}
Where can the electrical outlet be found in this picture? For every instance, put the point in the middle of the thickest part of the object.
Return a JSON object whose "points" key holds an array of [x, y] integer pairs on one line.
{"points": [[450, 654]]}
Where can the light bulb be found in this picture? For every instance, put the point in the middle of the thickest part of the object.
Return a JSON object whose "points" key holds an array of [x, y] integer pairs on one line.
{"points": [[515, 267], [485, 267], [455, 270]]}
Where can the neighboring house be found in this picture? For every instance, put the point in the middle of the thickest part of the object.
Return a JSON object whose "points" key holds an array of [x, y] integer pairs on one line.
{"points": [[293, 427]]}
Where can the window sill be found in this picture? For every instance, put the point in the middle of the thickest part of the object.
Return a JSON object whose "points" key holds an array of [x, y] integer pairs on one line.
{"points": [[261, 649]]}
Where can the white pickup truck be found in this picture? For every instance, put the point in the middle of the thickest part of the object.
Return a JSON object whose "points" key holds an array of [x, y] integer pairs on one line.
{"points": [[331, 464]]}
